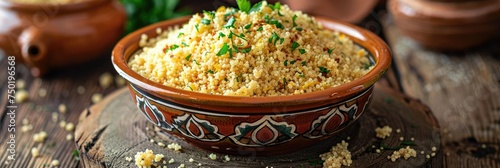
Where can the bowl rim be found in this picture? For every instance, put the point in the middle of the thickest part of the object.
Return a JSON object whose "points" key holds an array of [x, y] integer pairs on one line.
{"points": [[366, 39]]}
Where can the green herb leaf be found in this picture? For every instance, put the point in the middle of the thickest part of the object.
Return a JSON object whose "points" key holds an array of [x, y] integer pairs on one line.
{"points": [[230, 23], [196, 27], [293, 62], [303, 63], [190, 88], [299, 28], [293, 20], [245, 50], [324, 70], [188, 57], [196, 62], [223, 50], [184, 44], [301, 75], [248, 26], [242, 36], [302, 51], [180, 34], [277, 24], [210, 71], [282, 40], [244, 5], [295, 45], [286, 62], [276, 6], [274, 38], [205, 21], [256, 7], [175, 46], [260, 29], [75, 153], [221, 34], [284, 83], [330, 51], [367, 66], [210, 14]]}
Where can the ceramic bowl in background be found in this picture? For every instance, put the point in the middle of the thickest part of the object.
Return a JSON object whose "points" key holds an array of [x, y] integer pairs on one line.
{"points": [[447, 25], [266, 125], [352, 11], [48, 36]]}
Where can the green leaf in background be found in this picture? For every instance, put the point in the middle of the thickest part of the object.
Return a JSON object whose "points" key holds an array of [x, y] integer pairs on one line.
{"points": [[145, 12]]}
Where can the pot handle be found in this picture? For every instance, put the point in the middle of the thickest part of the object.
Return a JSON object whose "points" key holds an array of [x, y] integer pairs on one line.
{"points": [[34, 50]]}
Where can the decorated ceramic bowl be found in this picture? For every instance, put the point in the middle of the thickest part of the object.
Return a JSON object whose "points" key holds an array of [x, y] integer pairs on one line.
{"points": [[51, 36], [265, 125]]}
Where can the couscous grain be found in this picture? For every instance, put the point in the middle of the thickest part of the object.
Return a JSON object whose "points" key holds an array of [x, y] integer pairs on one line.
{"points": [[265, 52]]}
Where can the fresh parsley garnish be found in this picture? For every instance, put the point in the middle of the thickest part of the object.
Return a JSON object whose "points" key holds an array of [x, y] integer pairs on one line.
{"points": [[196, 26], [230, 23], [302, 51], [205, 21], [295, 45], [324, 70], [248, 26], [188, 57], [330, 50], [245, 50], [180, 34], [276, 6], [184, 44], [242, 36], [223, 50], [303, 63], [175, 46], [284, 83], [246, 7], [299, 28], [286, 62], [260, 29], [274, 38], [210, 71], [293, 20], [293, 62], [222, 34], [210, 14]]}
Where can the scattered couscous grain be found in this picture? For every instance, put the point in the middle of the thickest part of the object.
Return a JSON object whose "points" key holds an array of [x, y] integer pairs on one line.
{"points": [[62, 108], [403, 152], [70, 127], [161, 144], [182, 165], [105, 80], [159, 157], [55, 116], [377, 150], [144, 159], [212, 156], [40, 137], [191, 160], [35, 152], [422, 152], [25, 121], [412, 139], [69, 137], [260, 53], [20, 84], [337, 157], [62, 124], [433, 154], [434, 149], [227, 158], [128, 159], [171, 161], [55, 163], [21, 96], [96, 98], [174, 146], [383, 132], [401, 138], [398, 130]]}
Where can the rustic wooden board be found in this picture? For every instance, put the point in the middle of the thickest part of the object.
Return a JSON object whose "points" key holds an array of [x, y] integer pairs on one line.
{"points": [[463, 91], [114, 129]]}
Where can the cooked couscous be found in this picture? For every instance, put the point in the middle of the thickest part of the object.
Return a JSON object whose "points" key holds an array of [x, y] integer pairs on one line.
{"points": [[267, 50]]}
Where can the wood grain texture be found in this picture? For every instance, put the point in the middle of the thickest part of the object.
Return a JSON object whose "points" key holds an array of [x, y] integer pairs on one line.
{"points": [[61, 88], [114, 129], [463, 91]]}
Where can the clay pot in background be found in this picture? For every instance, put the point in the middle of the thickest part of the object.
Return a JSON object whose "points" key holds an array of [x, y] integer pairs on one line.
{"points": [[48, 36], [448, 26], [352, 11]]}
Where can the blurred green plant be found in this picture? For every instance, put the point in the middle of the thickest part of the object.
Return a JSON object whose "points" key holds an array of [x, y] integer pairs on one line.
{"points": [[144, 12]]}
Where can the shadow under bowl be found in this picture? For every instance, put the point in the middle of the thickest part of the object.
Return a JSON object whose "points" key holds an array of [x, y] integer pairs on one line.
{"points": [[265, 125]]}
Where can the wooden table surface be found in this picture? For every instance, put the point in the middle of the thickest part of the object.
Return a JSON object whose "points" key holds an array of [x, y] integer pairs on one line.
{"points": [[462, 89]]}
